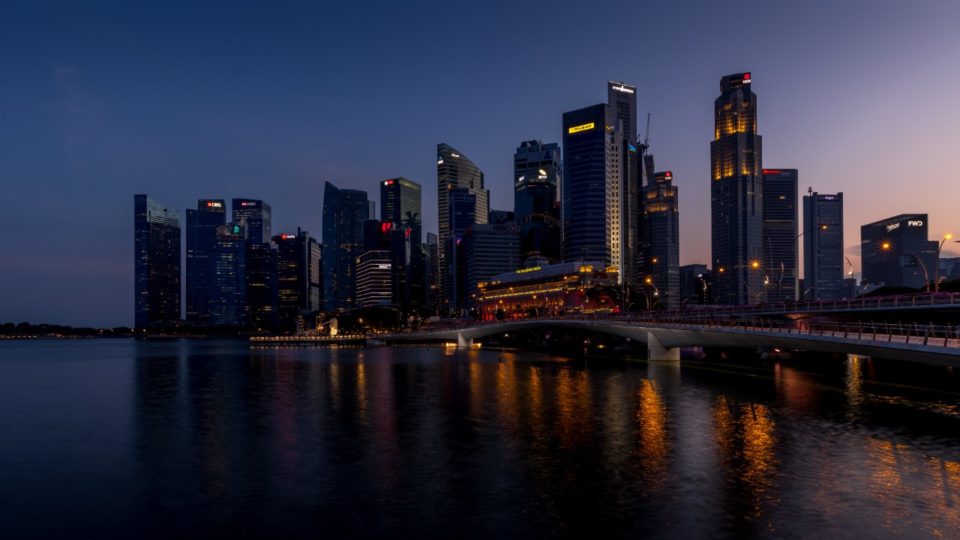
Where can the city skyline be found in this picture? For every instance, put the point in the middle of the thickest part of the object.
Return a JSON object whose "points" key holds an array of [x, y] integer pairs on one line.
{"points": [[91, 165]]}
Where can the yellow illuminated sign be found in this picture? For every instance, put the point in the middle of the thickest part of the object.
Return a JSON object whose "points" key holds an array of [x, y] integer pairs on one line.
{"points": [[525, 270], [581, 127]]}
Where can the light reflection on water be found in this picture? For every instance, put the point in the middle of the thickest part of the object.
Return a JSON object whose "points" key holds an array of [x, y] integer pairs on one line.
{"points": [[209, 437]]}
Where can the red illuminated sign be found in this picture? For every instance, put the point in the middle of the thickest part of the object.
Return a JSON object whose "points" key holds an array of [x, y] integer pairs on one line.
{"points": [[388, 182], [668, 175], [771, 171], [286, 236], [746, 78], [386, 227]]}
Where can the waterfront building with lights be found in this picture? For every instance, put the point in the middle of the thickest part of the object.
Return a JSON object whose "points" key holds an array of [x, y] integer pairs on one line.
{"points": [[537, 173], [202, 225], [736, 194], [489, 249], [661, 241], [573, 287], [229, 296], [895, 252], [344, 211]]}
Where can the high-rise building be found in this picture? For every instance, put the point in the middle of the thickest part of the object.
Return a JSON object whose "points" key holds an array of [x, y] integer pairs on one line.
{"points": [[661, 245], [257, 216], [156, 263], [456, 174], [537, 173], [261, 281], [780, 215], [589, 180], [228, 300], [431, 272], [895, 252], [202, 225], [822, 247], [489, 249], [400, 203], [461, 217], [344, 211], [627, 188], [299, 280], [736, 194]]}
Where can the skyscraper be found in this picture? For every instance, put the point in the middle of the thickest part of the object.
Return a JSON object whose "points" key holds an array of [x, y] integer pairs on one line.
{"points": [[489, 249], [462, 214], [257, 216], [400, 203], [736, 194], [228, 301], [822, 247], [202, 225], [537, 176], [661, 245], [895, 252], [156, 263], [299, 281], [627, 191], [455, 172], [344, 211], [780, 235], [589, 177]]}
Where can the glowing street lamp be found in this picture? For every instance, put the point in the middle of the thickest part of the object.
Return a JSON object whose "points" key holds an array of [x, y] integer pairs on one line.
{"points": [[936, 272]]}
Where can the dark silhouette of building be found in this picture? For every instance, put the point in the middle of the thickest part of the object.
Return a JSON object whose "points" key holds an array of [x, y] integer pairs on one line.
{"points": [[202, 225], [736, 194], [537, 173], [156, 263], [661, 241], [456, 175], [299, 281], [589, 173], [400, 200], [344, 211], [895, 252], [822, 247], [694, 284], [780, 231], [489, 249]]}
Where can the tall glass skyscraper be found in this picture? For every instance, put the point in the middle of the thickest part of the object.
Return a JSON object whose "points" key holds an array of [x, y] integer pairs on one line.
{"points": [[344, 211], [627, 190], [736, 194], [299, 279], [589, 177], [780, 215], [537, 173], [156, 263], [202, 225], [228, 301], [400, 204], [257, 215], [822, 246], [456, 172], [661, 245]]}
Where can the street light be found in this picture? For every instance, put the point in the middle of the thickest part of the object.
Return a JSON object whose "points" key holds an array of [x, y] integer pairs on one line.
{"points": [[926, 275], [936, 271]]}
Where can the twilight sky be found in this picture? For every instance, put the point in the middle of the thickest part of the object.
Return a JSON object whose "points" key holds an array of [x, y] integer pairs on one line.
{"points": [[184, 100]]}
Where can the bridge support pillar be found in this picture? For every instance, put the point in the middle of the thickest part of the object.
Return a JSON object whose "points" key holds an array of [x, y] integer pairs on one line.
{"points": [[656, 350], [463, 342]]}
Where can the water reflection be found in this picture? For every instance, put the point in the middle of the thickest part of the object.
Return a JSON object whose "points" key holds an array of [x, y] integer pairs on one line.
{"points": [[288, 442]]}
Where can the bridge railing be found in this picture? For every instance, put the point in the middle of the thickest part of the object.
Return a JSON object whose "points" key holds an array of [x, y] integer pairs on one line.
{"points": [[873, 302]]}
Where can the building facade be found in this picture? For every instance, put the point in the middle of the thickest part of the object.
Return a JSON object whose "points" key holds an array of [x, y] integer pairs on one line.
{"points": [[780, 234], [661, 243], [257, 216], [458, 177], [156, 263], [559, 289], [589, 178], [895, 252], [202, 225], [822, 247], [344, 211], [489, 249], [736, 194], [228, 303], [537, 173]]}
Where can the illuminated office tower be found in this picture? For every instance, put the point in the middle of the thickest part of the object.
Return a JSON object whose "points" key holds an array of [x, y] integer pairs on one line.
{"points": [[589, 180], [537, 176], [489, 250], [400, 204], [661, 245], [202, 225], [627, 189], [156, 263], [780, 232], [823, 256], [299, 281], [455, 172], [895, 252], [257, 215], [736, 194], [344, 211], [228, 300]]}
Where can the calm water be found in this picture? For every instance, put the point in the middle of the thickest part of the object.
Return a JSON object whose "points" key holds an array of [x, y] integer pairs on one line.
{"points": [[163, 439]]}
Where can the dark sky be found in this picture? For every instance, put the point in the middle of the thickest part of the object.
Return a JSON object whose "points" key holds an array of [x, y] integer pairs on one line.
{"points": [[203, 99]]}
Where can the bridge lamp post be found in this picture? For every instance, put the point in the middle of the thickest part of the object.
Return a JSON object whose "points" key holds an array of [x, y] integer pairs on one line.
{"points": [[936, 271]]}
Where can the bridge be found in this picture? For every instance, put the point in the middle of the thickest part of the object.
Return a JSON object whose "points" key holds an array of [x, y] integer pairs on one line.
{"points": [[930, 344]]}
